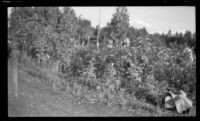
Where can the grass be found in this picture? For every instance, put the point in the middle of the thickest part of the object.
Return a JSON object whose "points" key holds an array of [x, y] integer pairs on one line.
{"points": [[125, 104]]}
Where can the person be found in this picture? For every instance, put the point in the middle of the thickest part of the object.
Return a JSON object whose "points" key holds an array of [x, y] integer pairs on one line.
{"points": [[179, 101], [110, 43], [189, 54], [127, 42]]}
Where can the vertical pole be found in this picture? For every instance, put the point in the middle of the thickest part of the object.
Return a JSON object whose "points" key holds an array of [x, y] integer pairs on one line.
{"points": [[98, 29], [14, 78]]}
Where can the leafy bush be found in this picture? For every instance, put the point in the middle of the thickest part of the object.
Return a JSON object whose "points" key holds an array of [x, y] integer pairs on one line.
{"points": [[88, 75], [79, 60]]}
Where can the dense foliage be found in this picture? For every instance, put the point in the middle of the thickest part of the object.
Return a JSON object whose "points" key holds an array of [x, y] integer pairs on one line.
{"points": [[145, 70]]}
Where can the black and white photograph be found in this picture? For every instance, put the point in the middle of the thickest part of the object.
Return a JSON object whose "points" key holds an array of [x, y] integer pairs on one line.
{"points": [[101, 61]]}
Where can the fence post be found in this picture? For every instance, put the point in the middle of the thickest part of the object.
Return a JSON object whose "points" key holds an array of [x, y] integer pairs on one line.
{"points": [[14, 67], [55, 71]]}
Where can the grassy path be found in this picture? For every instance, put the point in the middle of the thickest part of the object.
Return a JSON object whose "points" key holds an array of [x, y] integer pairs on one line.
{"points": [[36, 98]]}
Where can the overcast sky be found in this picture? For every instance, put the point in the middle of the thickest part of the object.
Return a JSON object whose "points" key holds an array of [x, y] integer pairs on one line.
{"points": [[154, 19]]}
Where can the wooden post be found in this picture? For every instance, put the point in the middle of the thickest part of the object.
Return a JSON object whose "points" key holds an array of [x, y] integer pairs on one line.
{"points": [[14, 67], [55, 71], [98, 30]]}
